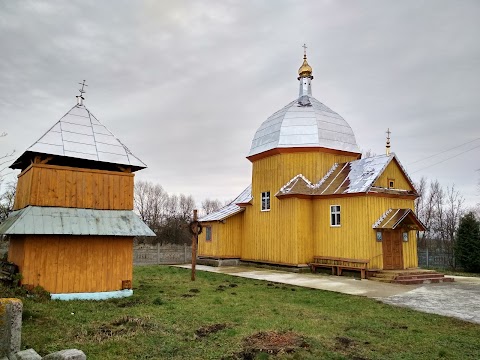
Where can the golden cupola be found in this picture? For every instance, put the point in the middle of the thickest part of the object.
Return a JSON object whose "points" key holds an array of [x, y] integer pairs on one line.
{"points": [[305, 70]]}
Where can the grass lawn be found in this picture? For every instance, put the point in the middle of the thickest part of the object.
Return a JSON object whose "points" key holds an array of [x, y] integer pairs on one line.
{"points": [[170, 317]]}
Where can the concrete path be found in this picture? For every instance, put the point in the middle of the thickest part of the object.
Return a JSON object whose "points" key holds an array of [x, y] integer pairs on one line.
{"points": [[460, 299]]}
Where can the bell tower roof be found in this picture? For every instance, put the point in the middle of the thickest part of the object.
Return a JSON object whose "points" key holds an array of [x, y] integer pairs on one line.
{"points": [[79, 135]]}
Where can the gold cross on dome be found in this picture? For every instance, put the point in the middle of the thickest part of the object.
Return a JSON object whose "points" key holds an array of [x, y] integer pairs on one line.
{"points": [[304, 50]]}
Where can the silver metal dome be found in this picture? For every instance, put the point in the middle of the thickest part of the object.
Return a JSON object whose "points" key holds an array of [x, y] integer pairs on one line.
{"points": [[305, 122]]}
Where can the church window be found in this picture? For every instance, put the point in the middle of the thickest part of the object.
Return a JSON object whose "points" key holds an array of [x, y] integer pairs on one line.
{"points": [[208, 233], [266, 201], [334, 215], [391, 183]]}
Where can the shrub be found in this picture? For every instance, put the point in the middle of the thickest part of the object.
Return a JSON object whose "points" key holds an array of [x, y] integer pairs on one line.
{"points": [[467, 247]]}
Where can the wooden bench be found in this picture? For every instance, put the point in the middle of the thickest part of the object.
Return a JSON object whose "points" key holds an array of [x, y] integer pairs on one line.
{"points": [[7, 271], [339, 264]]}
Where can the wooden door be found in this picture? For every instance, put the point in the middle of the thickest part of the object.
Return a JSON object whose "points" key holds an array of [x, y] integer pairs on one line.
{"points": [[392, 250]]}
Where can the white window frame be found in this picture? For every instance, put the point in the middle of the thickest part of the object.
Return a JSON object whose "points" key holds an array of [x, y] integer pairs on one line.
{"points": [[334, 211], [265, 196], [208, 231]]}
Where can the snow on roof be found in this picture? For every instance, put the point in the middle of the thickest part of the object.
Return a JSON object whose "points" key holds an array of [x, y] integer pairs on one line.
{"points": [[392, 218], [356, 176], [78, 134], [230, 209]]}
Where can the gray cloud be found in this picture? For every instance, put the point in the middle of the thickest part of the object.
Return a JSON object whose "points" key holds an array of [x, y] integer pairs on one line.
{"points": [[185, 84]]}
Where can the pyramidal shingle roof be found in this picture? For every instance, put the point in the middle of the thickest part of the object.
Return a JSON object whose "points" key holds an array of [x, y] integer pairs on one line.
{"points": [[79, 134]]}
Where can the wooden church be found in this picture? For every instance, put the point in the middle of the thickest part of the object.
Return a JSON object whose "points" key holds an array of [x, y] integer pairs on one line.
{"points": [[72, 228], [313, 195]]}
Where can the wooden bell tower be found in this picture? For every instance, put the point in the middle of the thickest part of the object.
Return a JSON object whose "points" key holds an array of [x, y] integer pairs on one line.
{"points": [[72, 227]]}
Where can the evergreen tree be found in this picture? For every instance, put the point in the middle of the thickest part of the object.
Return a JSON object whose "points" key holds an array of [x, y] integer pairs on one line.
{"points": [[467, 248]]}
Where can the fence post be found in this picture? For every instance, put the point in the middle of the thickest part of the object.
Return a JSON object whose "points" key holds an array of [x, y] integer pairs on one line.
{"points": [[158, 253], [184, 253], [427, 259]]}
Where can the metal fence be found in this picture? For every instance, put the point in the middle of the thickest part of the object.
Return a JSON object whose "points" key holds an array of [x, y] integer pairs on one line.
{"points": [[145, 254], [434, 258]]}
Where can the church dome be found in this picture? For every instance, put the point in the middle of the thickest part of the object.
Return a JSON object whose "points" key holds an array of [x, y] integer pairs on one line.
{"points": [[305, 122], [305, 70]]}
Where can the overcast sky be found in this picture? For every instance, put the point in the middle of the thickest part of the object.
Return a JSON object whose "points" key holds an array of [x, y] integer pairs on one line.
{"points": [[185, 84]]}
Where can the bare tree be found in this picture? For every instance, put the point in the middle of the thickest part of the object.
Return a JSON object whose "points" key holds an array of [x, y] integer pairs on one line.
{"points": [[440, 210], [426, 206], [7, 199], [149, 202], [368, 153], [167, 215], [209, 206], [186, 204], [448, 221]]}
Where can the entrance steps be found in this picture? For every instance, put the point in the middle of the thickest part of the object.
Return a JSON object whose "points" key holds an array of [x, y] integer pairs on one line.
{"points": [[409, 276]]}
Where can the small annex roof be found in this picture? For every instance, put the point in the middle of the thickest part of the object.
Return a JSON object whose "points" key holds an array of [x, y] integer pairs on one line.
{"points": [[393, 218], [353, 177], [78, 134], [230, 209], [37, 220]]}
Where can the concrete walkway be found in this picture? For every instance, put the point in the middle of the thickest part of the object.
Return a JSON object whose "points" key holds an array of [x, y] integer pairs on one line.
{"points": [[460, 299]]}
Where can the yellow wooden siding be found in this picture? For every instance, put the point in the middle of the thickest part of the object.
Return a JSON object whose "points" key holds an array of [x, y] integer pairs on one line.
{"points": [[394, 172], [49, 185], [73, 264], [356, 238], [24, 188], [295, 229], [16, 249], [304, 230], [226, 238], [274, 236]]}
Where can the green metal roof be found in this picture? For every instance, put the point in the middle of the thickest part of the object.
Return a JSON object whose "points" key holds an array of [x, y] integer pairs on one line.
{"points": [[37, 220]]}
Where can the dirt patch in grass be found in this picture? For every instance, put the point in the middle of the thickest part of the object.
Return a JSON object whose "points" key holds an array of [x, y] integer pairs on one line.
{"points": [[209, 329], [344, 343], [269, 342], [125, 326]]}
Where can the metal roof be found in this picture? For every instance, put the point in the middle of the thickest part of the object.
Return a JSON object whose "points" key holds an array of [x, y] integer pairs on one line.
{"points": [[230, 209], [392, 218], [356, 176], [37, 220], [78, 134], [304, 122]]}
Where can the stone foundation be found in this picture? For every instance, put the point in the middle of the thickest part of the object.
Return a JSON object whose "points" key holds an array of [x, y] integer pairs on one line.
{"points": [[218, 262]]}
